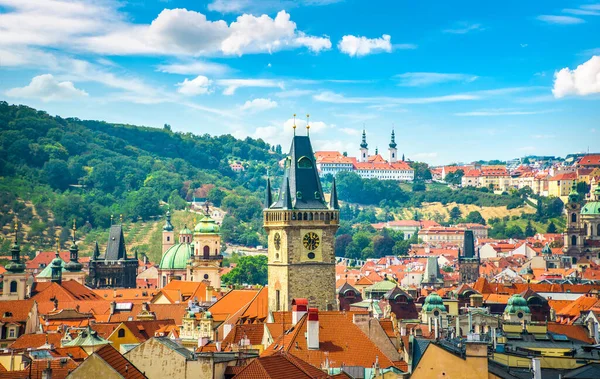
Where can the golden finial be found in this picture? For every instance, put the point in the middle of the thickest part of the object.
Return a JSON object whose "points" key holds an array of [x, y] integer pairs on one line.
{"points": [[307, 124], [74, 228], [121, 218], [57, 244], [111, 219], [195, 220], [16, 229], [294, 124]]}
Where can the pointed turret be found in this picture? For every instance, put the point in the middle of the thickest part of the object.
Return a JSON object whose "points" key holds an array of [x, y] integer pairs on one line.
{"points": [[393, 140], [168, 226], [96, 254], [363, 144], [402, 157], [57, 265], [268, 194], [73, 264], [333, 199], [15, 265], [573, 195], [287, 196], [301, 186]]}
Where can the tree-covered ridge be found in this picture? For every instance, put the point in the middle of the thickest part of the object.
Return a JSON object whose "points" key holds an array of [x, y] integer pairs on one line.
{"points": [[54, 170]]}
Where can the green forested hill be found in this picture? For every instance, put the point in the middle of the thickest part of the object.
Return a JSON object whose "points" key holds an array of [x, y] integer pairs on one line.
{"points": [[54, 170]]}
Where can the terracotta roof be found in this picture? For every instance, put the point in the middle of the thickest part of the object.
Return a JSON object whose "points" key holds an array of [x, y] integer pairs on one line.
{"points": [[133, 295], [118, 362], [279, 366], [60, 369], [77, 353], [141, 329], [231, 303], [185, 289], [253, 332], [15, 310], [160, 311], [68, 290], [564, 176], [44, 258], [34, 341], [340, 341], [576, 332], [590, 160]]}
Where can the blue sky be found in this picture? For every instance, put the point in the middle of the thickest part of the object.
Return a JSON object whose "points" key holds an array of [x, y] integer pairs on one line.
{"points": [[458, 80]]}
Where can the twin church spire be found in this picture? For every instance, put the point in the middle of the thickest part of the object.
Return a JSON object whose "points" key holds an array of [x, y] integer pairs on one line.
{"points": [[364, 148]]}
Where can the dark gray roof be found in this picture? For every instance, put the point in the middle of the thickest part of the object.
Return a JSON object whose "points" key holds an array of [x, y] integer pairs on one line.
{"points": [[175, 347], [301, 174], [115, 249], [469, 245], [589, 371]]}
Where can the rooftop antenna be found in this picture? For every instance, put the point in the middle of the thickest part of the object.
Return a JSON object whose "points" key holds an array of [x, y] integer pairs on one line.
{"points": [[307, 125], [294, 124]]}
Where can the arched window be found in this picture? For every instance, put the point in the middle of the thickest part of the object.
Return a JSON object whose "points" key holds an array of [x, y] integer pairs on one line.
{"points": [[206, 252], [164, 281], [304, 162], [574, 240], [121, 333], [13, 286], [573, 217]]}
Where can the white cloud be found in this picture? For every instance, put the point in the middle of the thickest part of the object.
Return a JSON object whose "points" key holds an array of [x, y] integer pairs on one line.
{"points": [[360, 46], [415, 79], [582, 81], [47, 88], [581, 12], [335, 98], [561, 20], [233, 84], [294, 93], [499, 112], [258, 105], [350, 131], [249, 6], [194, 68], [200, 85], [99, 27], [281, 132], [463, 28]]}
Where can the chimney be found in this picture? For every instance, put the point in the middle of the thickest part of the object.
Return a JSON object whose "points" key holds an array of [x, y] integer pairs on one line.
{"points": [[299, 309], [312, 329], [476, 300], [113, 305], [403, 331], [536, 368], [218, 345]]}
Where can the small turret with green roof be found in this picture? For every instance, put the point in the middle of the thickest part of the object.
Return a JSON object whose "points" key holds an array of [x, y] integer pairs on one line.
{"points": [[546, 249], [168, 226], [73, 265], [432, 302], [592, 207], [574, 195], [15, 265]]}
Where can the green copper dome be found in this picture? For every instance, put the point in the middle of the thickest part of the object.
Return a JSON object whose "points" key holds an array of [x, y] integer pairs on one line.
{"points": [[207, 225], [46, 273], [185, 230], [517, 303], [591, 208], [176, 257], [432, 302], [546, 249]]}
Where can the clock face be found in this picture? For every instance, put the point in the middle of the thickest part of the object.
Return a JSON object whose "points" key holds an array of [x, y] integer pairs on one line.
{"points": [[277, 241], [311, 241]]}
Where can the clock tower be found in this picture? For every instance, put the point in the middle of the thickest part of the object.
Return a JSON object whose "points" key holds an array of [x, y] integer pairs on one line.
{"points": [[301, 229]]}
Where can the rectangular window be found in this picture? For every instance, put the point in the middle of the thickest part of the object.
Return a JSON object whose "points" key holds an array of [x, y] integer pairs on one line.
{"points": [[11, 333], [277, 302]]}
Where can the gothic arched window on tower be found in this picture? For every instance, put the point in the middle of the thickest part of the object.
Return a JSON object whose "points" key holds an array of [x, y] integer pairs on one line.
{"points": [[573, 217], [304, 162]]}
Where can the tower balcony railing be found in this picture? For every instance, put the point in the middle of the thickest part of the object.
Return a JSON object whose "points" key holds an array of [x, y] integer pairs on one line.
{"points": [[276, 217], [201, 257]]}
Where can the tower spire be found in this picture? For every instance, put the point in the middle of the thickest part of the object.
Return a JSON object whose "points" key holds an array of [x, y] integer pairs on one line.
{"points": [[333, 199], [363, 144], [168, 226], [307, 125], [287, 197], [268, 193], [294, 125], [73, 264], [393, 140], [15, 265]]}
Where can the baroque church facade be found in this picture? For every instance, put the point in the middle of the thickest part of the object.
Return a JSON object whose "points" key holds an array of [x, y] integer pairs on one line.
{"points": [[301, 229], [582, 235]]}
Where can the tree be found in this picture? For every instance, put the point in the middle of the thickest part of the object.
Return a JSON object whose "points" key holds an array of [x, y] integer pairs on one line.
{"points": [[454, 178], [422, 171], [57, 173], [475, 217], [455, 213], [383, 245], [249, 270], [143, 203], [216, 196], [341, 243], [515, 232], [418, 187], [175, 201], [529, 229], [551, 228]]}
